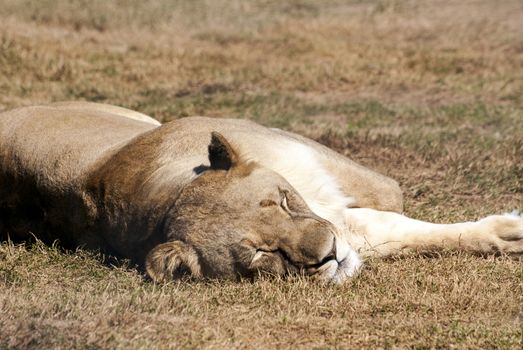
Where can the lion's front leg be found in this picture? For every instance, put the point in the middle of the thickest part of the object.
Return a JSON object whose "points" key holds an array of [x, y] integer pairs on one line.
{"points": [[378, 233]]}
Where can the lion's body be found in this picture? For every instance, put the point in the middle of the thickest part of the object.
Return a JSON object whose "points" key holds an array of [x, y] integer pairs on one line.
{"points": [[46, 154], [72, 141], [112, 179]]}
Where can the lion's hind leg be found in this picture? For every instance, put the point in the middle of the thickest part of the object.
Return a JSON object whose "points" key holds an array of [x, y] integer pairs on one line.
{"points": [[379, 233]]}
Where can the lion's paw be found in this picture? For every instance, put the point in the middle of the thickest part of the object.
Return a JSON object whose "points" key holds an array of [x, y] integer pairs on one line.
{"points": [[504, 232]]}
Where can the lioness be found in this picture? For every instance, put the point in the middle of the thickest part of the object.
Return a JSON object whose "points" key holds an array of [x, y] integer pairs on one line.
{"points": [[218, 198]]}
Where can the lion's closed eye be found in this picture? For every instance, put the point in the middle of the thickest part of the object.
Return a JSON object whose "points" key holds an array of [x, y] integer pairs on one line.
{"points": [[285, 203], [265, 203]]}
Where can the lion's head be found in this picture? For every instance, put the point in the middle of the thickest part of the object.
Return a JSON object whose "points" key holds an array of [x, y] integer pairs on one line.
{"points": [[238, 219]]}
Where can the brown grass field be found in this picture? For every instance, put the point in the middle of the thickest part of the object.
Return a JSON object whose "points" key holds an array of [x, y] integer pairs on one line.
{"points": [[427, 92]]}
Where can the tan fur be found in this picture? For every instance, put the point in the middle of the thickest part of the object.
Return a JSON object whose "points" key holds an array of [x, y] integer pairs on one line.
{"points": [[104, 108], [208, 197]]}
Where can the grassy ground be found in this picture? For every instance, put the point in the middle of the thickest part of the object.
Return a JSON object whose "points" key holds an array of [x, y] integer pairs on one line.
{"points": [[428, 92]]}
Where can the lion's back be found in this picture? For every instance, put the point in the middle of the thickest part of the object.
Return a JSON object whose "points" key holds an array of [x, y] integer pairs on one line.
{"points": [[58, 145], [45, 152]]}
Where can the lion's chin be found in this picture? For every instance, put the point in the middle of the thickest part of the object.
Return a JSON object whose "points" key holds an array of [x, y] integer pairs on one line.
{"points": [[337, 272]]}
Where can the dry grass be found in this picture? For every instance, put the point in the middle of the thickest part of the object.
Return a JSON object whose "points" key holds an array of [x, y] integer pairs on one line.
{"points": [[428, 92], [71, 301]]}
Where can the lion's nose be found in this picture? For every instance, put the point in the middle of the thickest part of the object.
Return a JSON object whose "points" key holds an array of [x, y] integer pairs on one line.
{"points": [[332, 254], [341, 249]]}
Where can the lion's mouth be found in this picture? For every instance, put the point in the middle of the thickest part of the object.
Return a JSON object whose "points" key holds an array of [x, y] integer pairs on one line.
{"points": [[333, 270], [340, 264], [321, 263], [308, 268]]}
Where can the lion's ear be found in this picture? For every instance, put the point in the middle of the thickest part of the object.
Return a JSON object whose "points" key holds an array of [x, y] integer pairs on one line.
{"points": [[221, 154], [171, 260]]}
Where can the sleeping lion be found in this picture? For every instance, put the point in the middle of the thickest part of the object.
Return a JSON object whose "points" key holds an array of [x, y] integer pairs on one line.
{"points": [[204, 197]]}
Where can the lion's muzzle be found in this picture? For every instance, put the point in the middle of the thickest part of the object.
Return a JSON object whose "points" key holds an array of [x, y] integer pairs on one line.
{"points": [[339, 266]]}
